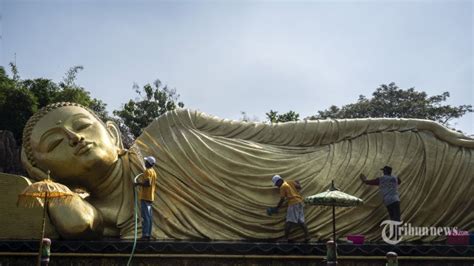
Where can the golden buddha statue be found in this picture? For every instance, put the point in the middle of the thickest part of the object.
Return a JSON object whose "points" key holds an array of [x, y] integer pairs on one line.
{"points": [[83, 152], [214, 175]]}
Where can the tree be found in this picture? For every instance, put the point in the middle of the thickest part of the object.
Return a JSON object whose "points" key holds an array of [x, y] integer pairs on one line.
{"points": [[274, 117], [69, 79], [247, 118], [17, 104], [154, 100], [14, 69], [19, 99], [390, 101], [45, 90], [71, 92]]}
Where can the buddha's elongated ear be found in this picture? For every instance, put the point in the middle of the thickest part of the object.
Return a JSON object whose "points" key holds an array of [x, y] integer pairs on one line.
{"points": [[114, 131]]}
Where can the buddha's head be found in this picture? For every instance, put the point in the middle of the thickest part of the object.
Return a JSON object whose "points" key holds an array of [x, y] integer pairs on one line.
{"points": [[72, 142]]}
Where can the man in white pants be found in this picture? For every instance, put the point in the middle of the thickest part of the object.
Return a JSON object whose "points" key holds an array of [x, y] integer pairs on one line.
{"points": [[295, 214]]}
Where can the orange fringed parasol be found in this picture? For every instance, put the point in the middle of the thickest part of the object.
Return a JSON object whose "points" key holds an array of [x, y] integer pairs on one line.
{"points": [[51, 193]]}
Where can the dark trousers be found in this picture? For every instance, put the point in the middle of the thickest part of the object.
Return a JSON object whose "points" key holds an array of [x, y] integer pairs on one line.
{"points": [[394, 211]]}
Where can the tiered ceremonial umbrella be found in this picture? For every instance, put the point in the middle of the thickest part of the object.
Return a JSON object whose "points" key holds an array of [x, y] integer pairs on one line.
{"points": [[334, 198], [50, 193]]}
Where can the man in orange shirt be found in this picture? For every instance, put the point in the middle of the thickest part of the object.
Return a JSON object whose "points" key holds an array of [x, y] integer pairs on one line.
{"points": [[146, 196], [295, 214]]}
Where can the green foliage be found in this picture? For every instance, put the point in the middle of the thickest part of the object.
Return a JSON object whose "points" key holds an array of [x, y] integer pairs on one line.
{"points": [[5, 82], [70, 77], [247, 118], [71, 92], [17, 104], [274, 117], [14, 70], [99, 107], [45, 90], [390, 101], [19, 99], [154, 100]]}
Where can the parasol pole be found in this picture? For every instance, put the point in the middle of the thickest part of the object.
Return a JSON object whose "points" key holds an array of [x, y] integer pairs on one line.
{"points": [[334, 223], [333, 198], [42, 228]]}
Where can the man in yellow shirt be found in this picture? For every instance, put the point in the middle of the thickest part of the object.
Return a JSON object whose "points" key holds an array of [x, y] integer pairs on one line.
{"points": [[295, 214], [146, 196]]}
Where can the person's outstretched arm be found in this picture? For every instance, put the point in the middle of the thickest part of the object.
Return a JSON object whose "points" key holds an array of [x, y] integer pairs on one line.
{"points": [[273, 210], [373, 182], [145, 182], [280, 203], [297, 185]]}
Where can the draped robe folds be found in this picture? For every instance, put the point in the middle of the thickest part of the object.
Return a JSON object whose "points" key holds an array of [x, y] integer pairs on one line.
{"points": [[214, 175]]}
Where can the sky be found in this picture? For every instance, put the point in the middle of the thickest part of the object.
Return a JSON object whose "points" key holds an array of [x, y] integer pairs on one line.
{"points": [[229, 57]]}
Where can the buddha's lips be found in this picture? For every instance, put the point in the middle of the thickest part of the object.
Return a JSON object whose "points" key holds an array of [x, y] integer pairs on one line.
{"points": [[82, 148]]}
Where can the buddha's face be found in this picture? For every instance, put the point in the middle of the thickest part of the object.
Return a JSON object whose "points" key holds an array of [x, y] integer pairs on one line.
{"points": [[74, 145]]}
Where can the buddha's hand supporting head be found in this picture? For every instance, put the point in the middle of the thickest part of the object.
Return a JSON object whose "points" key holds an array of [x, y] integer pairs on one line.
{"points": [[72, 142]]}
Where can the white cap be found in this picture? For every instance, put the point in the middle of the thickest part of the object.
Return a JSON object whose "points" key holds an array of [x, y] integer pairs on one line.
{"points": [[150, 160], [275, 179]]}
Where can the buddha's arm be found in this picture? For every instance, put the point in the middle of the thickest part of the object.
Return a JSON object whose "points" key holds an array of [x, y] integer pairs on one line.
{"points": [[77, 219]]}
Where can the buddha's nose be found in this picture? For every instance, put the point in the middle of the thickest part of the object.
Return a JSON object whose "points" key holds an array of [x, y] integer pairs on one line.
{"points": [[74, 138]]}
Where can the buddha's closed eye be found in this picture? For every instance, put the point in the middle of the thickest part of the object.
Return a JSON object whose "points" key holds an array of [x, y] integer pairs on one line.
{"points": [[82, 123], [53, 144]]}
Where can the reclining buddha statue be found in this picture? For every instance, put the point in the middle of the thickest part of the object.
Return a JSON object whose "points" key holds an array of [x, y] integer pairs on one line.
{"points": [[214, 175]]}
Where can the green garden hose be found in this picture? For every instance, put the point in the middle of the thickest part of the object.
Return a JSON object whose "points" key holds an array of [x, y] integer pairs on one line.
{"points": [[135, 231]]}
